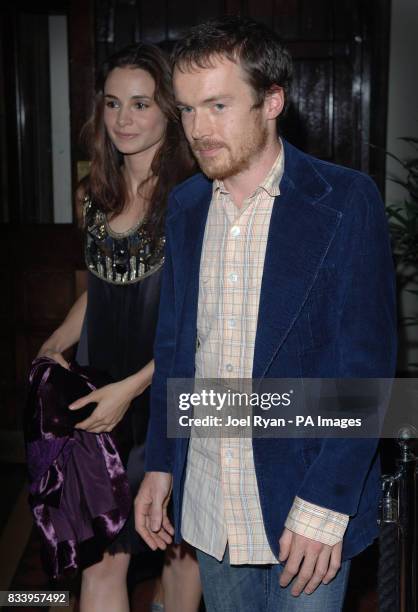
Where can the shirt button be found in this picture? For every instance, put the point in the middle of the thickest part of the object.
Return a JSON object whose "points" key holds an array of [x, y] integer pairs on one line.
{"points": [[232, 323], [233, 277], [229, 454], [235, 231], [229, 367]]}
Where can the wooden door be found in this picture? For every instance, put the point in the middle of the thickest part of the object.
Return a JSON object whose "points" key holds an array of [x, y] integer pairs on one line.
{"points": [[340, 51]]}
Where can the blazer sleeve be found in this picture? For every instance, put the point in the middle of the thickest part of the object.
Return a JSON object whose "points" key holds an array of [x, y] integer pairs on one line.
{"points": [[366, 343], [159, 448]]}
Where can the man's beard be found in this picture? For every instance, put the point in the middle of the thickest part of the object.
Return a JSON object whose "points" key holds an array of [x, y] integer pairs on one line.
{"points": [[222, 169]]}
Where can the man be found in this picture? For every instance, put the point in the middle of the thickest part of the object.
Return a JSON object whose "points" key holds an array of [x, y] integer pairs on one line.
{"points": [[277, 265]]}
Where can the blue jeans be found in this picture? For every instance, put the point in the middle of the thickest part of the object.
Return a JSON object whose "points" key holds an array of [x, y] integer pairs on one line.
{"points": [[255, 588]]}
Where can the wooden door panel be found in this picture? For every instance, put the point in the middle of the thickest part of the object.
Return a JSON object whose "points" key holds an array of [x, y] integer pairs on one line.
{"points": [[41, 282], [153, 19], [285, 18], [316, 19], [346, 108], [313, 100], [46, 295]]}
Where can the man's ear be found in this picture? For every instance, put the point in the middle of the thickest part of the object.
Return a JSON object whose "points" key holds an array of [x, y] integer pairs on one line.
{"points": [[274, 102]]}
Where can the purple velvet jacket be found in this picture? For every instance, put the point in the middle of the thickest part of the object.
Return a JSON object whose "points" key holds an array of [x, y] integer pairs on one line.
{"points": [[78, 493]]}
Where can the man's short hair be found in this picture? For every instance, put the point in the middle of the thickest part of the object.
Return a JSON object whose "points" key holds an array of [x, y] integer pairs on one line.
{"points": [[260, 51]]}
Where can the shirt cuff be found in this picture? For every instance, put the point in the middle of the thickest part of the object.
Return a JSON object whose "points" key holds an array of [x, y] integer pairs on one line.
{"points": [[316, 523]]}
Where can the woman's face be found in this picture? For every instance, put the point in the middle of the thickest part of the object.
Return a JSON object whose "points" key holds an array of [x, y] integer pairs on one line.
{"points": [[134, 122]]}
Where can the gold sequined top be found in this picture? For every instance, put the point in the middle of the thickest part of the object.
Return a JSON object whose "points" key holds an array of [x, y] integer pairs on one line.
{"points": [[119, 258]]}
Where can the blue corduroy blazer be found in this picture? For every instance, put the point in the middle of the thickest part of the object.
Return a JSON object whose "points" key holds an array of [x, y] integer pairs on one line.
{"points": [[327, 309]]}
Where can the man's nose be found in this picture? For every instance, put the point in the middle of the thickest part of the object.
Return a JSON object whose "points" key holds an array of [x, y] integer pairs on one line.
{"points": [[201, 127]]}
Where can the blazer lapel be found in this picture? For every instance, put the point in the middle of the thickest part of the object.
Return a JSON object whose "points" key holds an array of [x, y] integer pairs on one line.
{"points": [[300, 233], [187, 230]]}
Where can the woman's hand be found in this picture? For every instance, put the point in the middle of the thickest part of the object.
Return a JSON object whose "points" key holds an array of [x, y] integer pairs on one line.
{"points": [[112, 402], [52, 353]]}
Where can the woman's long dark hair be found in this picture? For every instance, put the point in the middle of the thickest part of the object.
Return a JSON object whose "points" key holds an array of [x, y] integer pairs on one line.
{"points": [[172, 162]]}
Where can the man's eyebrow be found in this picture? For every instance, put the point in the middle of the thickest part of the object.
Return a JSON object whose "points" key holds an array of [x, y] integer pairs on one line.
{"points": [[217, 98], [208, 100]]}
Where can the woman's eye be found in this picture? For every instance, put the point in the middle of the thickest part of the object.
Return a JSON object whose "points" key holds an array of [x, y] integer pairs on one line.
{"points": [[141, 106], [112, 104]]}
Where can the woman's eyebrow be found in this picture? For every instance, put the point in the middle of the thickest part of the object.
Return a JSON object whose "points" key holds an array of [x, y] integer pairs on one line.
{"points": [[137, 97]]}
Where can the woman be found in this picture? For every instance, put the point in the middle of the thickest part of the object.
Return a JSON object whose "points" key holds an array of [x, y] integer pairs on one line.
{"points": [[138, 154]]}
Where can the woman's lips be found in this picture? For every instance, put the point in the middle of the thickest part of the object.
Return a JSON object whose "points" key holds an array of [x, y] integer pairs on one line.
{"points": [[125, 136]]}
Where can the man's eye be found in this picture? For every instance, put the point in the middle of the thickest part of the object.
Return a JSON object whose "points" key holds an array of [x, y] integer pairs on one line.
{"points": [[219, 106], [184, 109]]}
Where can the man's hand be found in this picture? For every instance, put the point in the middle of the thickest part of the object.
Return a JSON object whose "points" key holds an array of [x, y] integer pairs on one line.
{"points": [[151, 520], [311, 562]]}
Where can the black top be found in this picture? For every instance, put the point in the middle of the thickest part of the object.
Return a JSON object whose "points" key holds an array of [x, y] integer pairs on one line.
{"points": [[123, 297]]}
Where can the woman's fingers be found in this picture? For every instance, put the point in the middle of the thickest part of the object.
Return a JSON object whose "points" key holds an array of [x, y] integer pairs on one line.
{"points": [[83, 401], [56, 356]]}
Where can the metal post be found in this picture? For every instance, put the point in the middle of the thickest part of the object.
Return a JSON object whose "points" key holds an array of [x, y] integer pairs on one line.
{"points": [[407, 484]]}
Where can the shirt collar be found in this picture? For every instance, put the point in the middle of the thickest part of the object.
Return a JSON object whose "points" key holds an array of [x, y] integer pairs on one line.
{"points": [[271, 183]]}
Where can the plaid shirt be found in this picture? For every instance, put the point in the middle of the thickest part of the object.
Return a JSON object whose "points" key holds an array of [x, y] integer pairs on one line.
{"points": [[221, 504]]}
